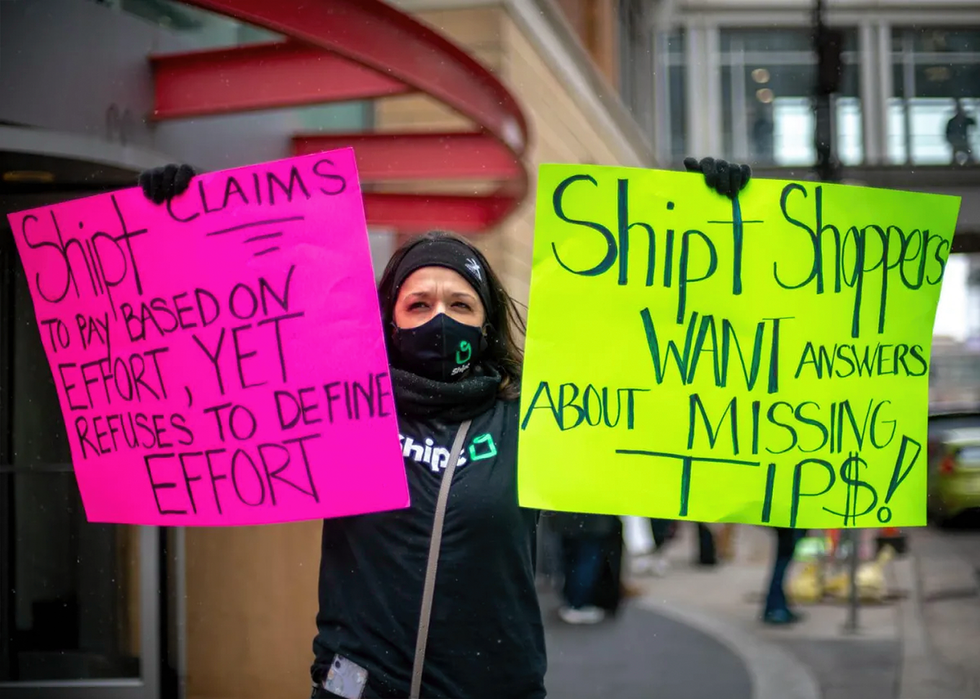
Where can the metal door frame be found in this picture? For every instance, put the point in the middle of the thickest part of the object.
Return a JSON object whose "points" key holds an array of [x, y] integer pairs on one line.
{"points": [[147, 685], [6, 429]]}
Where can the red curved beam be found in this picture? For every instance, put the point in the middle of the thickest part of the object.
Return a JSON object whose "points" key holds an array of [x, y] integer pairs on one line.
{"points": [[357, 49], [260, 76], [389, 156]]}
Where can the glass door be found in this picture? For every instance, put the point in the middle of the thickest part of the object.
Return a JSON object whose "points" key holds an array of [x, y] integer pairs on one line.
{"points": [[79, 602]]}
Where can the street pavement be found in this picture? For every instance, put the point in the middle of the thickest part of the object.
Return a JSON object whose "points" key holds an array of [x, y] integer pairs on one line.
{"points": [[695, 633], [965, 539], [947, 574], [639, 653]]}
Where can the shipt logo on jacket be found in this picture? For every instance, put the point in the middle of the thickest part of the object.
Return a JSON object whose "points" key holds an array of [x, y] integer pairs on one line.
{"points": [[426, 451]]}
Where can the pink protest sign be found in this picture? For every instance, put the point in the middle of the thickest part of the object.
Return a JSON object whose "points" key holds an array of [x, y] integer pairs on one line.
{"points": [[220, 359]]}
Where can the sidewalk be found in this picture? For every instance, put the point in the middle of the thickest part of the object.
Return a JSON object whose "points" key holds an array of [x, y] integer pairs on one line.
{"points": [[679, 640], [942, 621], [695, 634], [832, 664]]}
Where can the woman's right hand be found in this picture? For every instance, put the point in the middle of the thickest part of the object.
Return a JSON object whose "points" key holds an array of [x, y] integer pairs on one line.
{"points": [[161, 184]]}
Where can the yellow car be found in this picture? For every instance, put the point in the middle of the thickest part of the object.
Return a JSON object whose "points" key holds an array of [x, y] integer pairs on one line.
{"points": [[954, 465]]}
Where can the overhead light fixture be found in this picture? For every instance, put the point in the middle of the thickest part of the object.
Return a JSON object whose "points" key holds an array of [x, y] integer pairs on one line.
{"points": [[35, 176], [765, 95], [760, 75]]}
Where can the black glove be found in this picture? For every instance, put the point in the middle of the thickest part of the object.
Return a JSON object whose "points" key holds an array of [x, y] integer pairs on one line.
{"points": [[724, 177], [163, 183]]}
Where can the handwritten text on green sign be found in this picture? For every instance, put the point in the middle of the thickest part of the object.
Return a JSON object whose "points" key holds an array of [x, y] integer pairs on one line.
{"points": [[760, 360]]}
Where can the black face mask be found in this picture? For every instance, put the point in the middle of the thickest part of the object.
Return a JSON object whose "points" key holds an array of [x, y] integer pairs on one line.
{"points": [[442, 349]]}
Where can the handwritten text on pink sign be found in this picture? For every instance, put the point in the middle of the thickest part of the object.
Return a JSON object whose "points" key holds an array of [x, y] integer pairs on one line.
{"points": [[219, 359]]}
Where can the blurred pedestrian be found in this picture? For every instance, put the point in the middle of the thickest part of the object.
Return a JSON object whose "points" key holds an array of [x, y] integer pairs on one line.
{"points": [[726, 541], [707, 552], [763, 130], [663, 531], [777, 609], [656, 562], [590, 565], [958, 135]]}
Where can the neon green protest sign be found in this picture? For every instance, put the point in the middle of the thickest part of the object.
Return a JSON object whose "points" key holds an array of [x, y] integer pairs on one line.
{"points": [[763, 360]]}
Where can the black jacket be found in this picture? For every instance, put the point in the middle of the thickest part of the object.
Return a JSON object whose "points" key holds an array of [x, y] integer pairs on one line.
{"points": [[486, 637]]}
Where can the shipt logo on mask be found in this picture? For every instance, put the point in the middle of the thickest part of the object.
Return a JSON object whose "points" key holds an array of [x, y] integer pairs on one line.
{"points": [[435, 457], [463, 355], [464, 352]]}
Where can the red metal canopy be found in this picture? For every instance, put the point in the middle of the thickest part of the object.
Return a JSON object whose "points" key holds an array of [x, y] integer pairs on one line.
{"points": [[361, 49]]}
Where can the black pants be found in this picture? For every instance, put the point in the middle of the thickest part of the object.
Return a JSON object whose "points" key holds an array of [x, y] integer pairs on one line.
{"points": [[786, 540], [584, 558], [608, 593], [660, 528], [606, 586], [707, 556]]}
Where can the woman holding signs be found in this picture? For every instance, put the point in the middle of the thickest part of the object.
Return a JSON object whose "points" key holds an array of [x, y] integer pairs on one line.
{"points": [[388, 626]]}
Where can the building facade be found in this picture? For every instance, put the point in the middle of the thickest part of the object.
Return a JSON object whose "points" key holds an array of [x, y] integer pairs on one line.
{"points": [[736, 79]]}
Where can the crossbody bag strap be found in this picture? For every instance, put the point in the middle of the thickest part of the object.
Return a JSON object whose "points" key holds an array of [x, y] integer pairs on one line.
{"points": [[433, 563]]}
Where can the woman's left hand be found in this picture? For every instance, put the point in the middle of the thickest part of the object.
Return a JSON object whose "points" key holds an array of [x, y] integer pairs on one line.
{"points": [[726, 178], [161, 184]]}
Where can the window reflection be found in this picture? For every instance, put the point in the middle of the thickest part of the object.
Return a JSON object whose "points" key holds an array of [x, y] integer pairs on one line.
{"points": [[954, 375], [671, 102], [75, 592], [199, 28], [935, 103], [69, 589], [767, 81]]}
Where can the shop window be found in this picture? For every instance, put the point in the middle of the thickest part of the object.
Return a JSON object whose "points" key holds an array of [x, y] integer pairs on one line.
{"points": [[934, 109], [954, 377], [69, 589], [636, 65], [767, 82], [199, 28]]}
